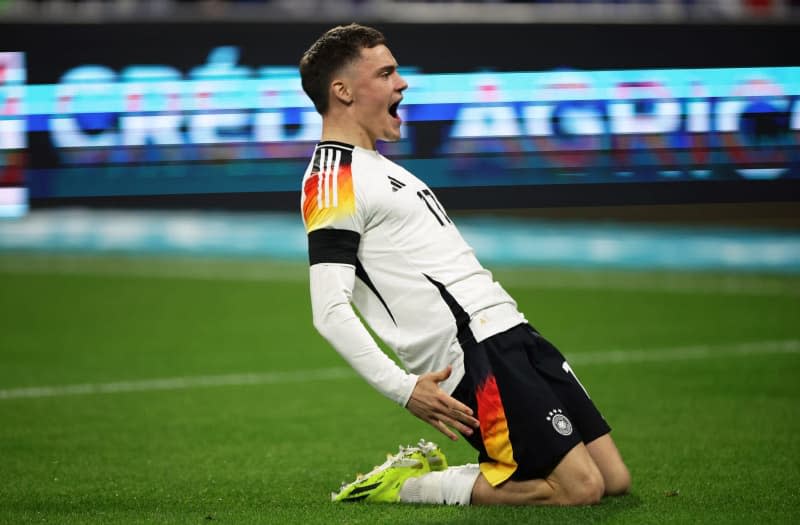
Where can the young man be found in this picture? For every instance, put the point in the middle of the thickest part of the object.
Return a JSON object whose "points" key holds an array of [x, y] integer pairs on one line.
{"points": [[378, 238]]}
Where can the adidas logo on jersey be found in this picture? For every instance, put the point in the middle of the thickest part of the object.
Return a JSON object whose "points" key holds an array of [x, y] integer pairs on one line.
{"points": [[396, 184]]}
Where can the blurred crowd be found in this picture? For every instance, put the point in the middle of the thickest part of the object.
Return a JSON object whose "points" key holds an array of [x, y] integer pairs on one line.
{"points": [[410, 10]]}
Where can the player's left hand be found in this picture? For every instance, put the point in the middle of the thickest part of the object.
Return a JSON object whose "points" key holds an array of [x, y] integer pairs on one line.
{"points": [[432, 405]]}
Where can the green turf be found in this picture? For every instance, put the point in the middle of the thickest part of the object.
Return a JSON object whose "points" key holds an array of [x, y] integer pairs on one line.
{"points": [[708, 439]]}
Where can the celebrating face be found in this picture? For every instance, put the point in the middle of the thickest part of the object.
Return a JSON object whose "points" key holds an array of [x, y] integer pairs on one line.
{"points": [[374, 89]]}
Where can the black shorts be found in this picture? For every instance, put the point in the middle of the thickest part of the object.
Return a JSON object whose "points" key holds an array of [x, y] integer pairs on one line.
{"points": [[531, 406]]}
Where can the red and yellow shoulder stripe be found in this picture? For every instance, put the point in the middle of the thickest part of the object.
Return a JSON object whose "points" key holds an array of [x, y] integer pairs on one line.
{"points": [[328, 196]]}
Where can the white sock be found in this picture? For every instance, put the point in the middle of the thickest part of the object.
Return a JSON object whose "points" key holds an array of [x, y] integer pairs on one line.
{"points": [[452, 486]]}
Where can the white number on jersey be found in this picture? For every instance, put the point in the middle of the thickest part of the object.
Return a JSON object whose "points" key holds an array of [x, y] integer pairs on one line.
{"points": [[433, 205]]}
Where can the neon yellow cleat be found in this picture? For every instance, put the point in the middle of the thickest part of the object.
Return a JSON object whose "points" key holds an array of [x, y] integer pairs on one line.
{"points": [[384, 482], [434, 455]]}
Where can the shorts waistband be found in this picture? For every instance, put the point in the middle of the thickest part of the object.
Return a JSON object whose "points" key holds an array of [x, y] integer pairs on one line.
{"points": [[494, 320]]}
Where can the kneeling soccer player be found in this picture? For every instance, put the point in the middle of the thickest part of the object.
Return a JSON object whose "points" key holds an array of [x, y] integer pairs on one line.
{"points": [[378, 238]]}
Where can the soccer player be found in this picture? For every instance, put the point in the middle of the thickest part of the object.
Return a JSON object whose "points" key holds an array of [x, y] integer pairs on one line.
{"points": [[380, 240]]}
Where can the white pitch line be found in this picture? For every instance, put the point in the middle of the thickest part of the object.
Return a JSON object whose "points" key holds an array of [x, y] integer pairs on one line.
{"points": [[179, 383], [668, 282], [680, 353], [790, 346]]}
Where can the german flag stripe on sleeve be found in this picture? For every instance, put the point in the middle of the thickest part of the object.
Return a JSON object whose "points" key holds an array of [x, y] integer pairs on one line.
{"points": [[328, 191]]}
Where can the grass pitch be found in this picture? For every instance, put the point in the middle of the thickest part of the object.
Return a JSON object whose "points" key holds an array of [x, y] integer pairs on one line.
{"points": [[185, 391]]}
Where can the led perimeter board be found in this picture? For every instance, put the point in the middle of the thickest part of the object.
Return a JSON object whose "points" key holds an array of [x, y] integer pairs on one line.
{"points": [[494, 116]]}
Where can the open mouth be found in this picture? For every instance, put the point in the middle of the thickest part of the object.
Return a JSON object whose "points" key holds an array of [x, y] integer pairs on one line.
{"points": [[393, 109]]}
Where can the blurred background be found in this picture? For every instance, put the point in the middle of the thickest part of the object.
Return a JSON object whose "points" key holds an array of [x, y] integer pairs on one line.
{"points": [[627, 134], [629, 170]]}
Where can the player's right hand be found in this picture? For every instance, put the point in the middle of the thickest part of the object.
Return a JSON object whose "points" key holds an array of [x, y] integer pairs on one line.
{"points": [[432, 405]]}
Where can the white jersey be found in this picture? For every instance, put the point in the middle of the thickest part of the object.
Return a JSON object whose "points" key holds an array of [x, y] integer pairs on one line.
{"points": [[416, 281]]}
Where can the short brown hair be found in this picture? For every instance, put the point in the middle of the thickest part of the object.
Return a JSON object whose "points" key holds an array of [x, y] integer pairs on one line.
{"points": [[332, 51]]}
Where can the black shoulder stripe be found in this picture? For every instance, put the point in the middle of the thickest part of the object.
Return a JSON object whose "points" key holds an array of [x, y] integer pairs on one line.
{"points": [[361, 273], [333, 246], [464, 334]]}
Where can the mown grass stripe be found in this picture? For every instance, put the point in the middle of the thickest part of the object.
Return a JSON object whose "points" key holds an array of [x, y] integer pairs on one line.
{"points": [[679, 353], [254, 269], [791, 346]]}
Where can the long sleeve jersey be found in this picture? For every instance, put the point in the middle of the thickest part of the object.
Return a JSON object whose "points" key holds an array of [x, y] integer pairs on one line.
{"points": [[379, 240]]}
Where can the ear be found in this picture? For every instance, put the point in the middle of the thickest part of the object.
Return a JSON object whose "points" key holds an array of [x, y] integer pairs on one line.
{"points": [[341, 91]]}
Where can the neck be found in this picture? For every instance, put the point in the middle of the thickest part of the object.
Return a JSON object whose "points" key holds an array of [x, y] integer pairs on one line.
{"points": [[333, 129]]}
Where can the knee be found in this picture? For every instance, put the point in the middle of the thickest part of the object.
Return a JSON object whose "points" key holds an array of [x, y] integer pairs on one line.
{"points": [[587, 489], [592, 489], [619, 482]]}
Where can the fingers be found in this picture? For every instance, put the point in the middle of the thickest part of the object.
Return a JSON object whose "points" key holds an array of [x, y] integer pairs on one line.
{"points": [[443, 412], [455, 415], [466, 419], [458, 411], [442, 374], [441, 427], [449, 405], [456, 424]]}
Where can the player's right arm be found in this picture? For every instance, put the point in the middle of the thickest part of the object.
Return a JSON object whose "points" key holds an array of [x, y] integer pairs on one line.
{"points": [[334, 223], [333, 316]]}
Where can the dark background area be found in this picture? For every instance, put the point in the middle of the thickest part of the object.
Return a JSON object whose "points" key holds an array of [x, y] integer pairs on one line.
{"points": [[435, 48], [52, 49]]}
